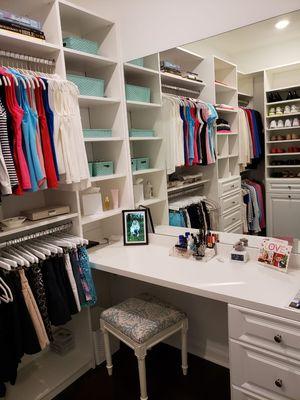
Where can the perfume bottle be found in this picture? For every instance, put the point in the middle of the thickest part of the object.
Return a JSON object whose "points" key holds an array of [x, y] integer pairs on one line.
{"points": [[149, 190], [106, 203]]}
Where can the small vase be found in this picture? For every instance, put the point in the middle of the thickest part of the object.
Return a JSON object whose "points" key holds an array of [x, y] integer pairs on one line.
{"points": [[115, 197]]}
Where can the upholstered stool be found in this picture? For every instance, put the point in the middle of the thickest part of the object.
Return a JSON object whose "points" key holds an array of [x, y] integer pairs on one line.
{"points": [[141, 323]]}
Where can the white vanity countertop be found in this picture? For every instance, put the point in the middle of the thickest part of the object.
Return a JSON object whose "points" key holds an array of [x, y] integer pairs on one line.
{"points": [[248, 285]]}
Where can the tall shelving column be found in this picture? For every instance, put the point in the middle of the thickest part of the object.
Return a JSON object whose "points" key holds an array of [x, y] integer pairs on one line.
{"points": [[144, 115], [282, 155], [100, 112]]}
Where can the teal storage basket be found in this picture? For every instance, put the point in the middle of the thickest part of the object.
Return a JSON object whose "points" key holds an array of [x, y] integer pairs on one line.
{"points": [[103, 168], [137, 93], [138, 61], [97, 133], [79, 44], [141, 133], [88, 86], [91, 168], [142, 163], [133, 164]]}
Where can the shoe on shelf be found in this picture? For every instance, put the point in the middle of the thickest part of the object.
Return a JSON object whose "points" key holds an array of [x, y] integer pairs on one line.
{"points": [[285, 174], [289, 136], [270, 97], [298, 175], [296, 122], [287, 110], [289, 96], [272, 112], [277, 96], [280, 151], [273, 124], [280, 123], [288, 123], [295, 95], [294, 108], [278, 111], [274, 150], [295, 136], [279, 137]]}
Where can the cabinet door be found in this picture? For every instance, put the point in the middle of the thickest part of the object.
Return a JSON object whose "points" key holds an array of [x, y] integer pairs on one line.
{"points": [[283, 214]]}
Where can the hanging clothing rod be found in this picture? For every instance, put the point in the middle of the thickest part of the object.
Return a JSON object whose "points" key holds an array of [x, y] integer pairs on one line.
{"points": [[179, 88], [180, 97], [182, 191], [26, 58], [35, 235]]}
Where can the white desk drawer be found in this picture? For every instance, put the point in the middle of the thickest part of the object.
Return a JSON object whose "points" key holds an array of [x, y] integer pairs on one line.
{"points": [[241, 394], [237, 228], [231, 218], [283, 187], [229, 185], [230, 201], [276, 334], [263, 373]]}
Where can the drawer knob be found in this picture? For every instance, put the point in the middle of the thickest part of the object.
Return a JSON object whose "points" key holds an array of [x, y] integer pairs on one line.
{"points": [[290, 187], [278, 383], [232, 186], [278, 338], [233, 202]]}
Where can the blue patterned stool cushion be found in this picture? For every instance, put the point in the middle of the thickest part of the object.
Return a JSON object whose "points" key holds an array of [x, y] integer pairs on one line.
{"points": [[142, 317]]}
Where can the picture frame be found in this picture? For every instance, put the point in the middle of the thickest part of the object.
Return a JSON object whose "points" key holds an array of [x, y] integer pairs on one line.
{"points": [[151, 228], [135, 227]]}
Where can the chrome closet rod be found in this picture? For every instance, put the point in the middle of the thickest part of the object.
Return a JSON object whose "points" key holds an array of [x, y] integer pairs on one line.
{"points": [[35, 235], [180, 88], [26, 58]]}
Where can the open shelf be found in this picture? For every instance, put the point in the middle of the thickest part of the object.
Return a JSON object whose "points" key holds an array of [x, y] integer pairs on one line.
{"points": [[104, 139], [172, 79], [283, 141], [31, 225], [128, 67], [283, 115], [245, 96], [283, 166], [283, 154], [146, 171], [275, 103], [283, 129], [284, 88], [187, 186], [86, 60], [227, 134], [87, 101], [139, 105], [23, 44], [149, 202], [88, 219], [225, 110], [144, 139], [222, 87], [107, 177]]}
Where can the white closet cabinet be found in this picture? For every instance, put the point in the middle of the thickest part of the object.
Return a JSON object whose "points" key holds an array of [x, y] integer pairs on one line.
{"points": [[283, 210]]}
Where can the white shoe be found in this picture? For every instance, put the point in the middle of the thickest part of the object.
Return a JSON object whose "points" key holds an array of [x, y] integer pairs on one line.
{"points": [[296, 122], [278, 111], [294, 109], [288, 123], [280, 123], [287, 110], [272, 112], [273, 124]]}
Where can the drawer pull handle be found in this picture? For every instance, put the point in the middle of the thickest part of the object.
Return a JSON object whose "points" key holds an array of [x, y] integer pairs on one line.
{"points": [[234, 202], [232, 186], [290, 187], [278, 383], [278, 338]]}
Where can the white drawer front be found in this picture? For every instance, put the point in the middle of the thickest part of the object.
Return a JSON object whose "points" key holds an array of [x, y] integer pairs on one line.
{"points": [[283, 187], [235, 228], [241, 394], [231, 218], [229, 186], [229, 202], [279, 335], [263, 373]]}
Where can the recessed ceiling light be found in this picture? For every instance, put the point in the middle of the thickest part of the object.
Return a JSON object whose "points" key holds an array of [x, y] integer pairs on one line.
{"points": [[282, 24]]}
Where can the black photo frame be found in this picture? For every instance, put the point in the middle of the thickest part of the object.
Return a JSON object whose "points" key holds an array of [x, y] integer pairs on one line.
{"points": [[135, 227]]}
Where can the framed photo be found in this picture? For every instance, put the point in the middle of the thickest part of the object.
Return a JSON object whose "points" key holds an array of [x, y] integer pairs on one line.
{"points": [[135, 227], [149, 219]]}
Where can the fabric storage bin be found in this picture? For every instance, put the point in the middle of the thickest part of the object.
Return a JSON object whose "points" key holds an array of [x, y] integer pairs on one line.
{"points": [[141, 133], [79, 44], [142, 163], [91, 168], [103, 168], [133, 164], [97, 133], [138, 61], [137, 93], [88, 86]]}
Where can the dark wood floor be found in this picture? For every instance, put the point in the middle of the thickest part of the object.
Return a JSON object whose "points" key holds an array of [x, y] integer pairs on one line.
{"points": [[205, 380]]}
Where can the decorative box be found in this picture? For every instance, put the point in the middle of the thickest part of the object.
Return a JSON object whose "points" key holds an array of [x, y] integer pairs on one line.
{"points": [[97, 133], [91, 168], [103, 168], [138, 61], [142, 163], [79, 44], [141, 133], [88, 86], [91, 203], [133, 164], [137, 93]]}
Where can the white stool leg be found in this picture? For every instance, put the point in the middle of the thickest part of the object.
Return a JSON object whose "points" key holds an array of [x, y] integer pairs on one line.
{"points": [[109, 365], [141, 355], [184, 363]]}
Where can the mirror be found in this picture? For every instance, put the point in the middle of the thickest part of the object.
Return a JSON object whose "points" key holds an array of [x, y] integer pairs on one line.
{"points": [[223, 149]]}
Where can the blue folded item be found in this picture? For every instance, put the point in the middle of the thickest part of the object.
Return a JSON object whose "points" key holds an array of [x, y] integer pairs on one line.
{"points": [[176, 219]]}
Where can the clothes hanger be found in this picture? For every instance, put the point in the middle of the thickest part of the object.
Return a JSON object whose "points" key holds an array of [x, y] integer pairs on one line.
{"points": [[5, 266], [54, 249], [61, 242], [11, 297], [22, 255], [83, 240], [18, 260], [4, 297], [9, 261], [38, 252]]}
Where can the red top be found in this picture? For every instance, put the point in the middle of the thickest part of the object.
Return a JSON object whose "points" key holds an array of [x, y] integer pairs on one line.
{"points": [[45, 137]]}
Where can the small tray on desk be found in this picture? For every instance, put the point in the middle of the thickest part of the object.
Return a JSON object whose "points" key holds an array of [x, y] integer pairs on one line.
{"points": [[188, 254]]}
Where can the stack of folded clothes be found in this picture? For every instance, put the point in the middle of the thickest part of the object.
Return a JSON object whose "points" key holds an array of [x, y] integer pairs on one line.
{"points": [[223, 126], [20, 25]]}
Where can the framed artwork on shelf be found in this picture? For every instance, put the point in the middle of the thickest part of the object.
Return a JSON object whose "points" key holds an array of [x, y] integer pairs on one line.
{"points": [[135, 227]]}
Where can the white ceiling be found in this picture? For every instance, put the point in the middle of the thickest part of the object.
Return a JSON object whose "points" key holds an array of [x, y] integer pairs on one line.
{"points": [[259, 35]]}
